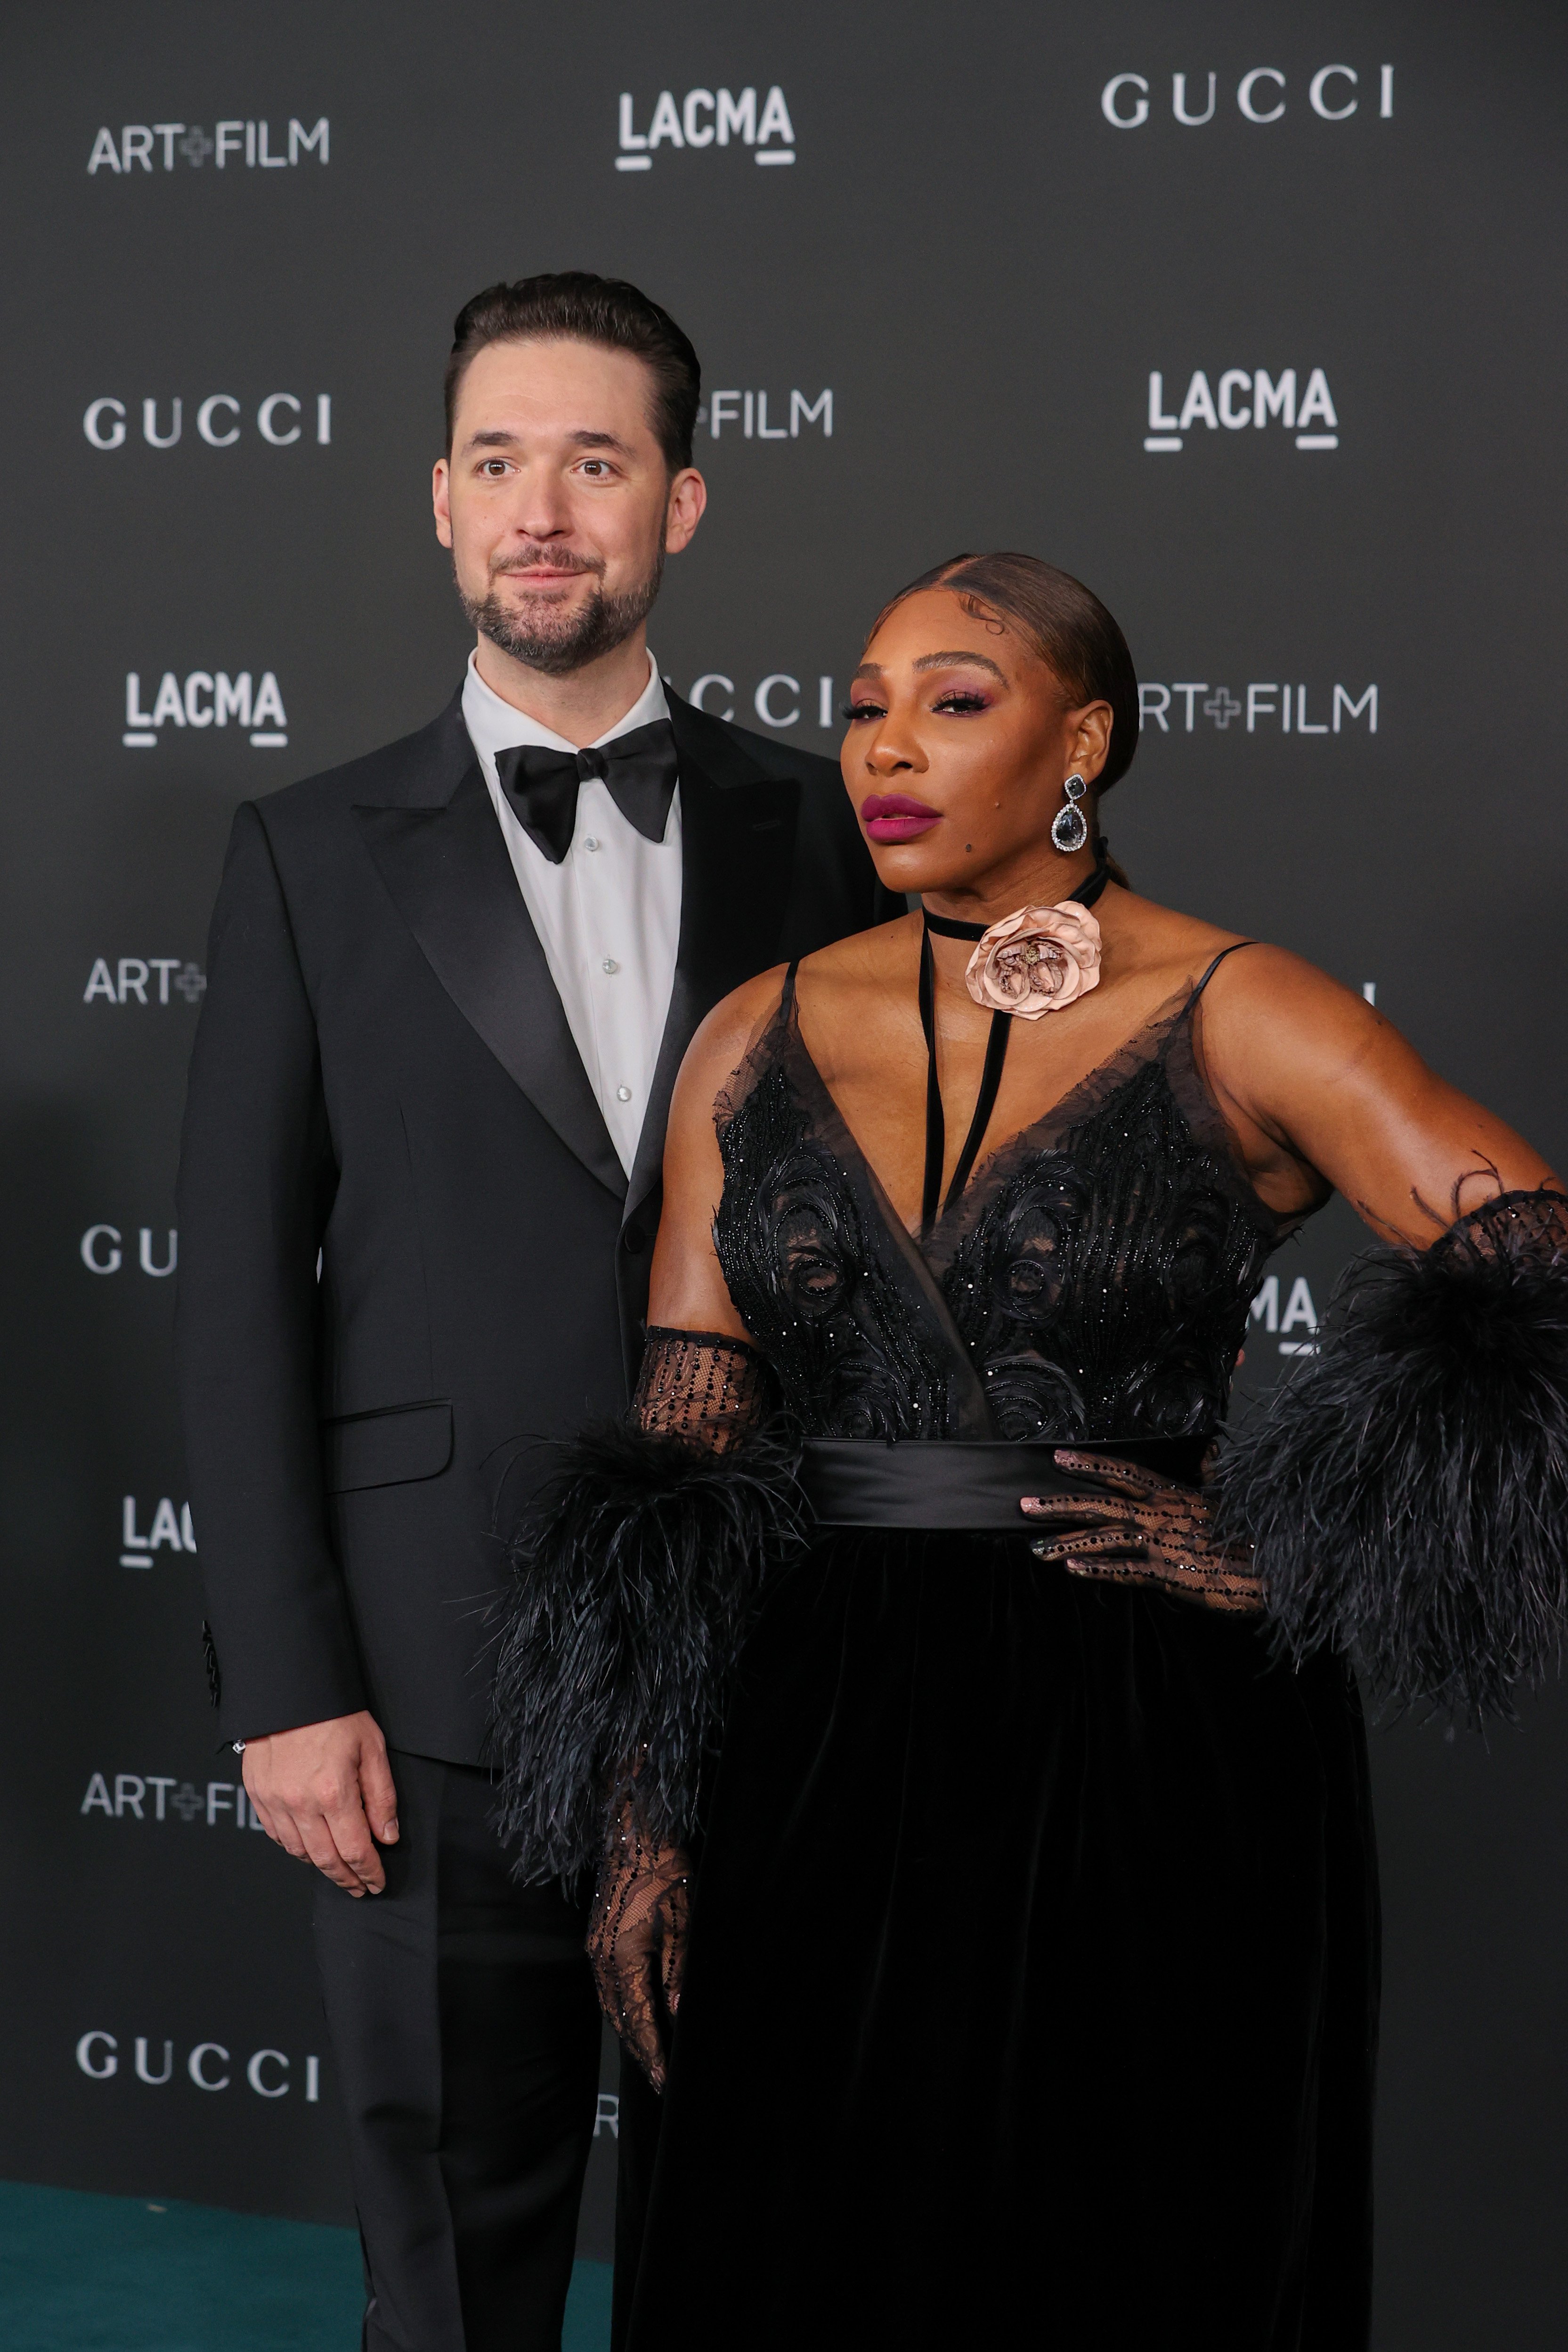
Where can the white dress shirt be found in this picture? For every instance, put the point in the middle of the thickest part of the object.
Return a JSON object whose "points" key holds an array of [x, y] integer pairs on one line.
{"points": [[608, 917]]}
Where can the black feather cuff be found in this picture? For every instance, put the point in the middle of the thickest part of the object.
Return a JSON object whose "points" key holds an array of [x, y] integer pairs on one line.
{"points": [[632, 1590], [1407, 1491]]}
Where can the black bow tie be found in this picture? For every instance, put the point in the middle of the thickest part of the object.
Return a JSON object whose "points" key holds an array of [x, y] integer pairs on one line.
{"points": [[639, 768]]}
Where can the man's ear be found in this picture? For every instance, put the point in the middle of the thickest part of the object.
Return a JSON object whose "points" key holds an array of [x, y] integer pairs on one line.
{"points": [[441, 500], [688, 497]]}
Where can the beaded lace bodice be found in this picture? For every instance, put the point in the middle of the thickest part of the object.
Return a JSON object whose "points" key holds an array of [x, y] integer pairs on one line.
{"points": [[1092, 1281]]}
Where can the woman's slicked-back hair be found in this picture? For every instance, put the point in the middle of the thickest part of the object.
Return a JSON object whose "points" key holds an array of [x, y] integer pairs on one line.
{"points": [[574, 306], [1062, 622]]}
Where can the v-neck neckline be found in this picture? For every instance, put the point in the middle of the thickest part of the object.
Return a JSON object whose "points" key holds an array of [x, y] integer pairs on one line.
{"points": [[1166, 1018], [968, 1408]]}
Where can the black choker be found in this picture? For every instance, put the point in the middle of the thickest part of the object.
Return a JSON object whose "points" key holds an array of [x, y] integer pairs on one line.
{"points": [[946, 929]]}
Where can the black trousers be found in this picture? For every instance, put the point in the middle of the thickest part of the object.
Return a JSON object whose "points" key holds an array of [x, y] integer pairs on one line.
{"points": [[465, 2035]]}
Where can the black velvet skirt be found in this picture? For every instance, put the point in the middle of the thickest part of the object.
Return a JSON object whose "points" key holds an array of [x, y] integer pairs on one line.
{"points": [[1031, 1994]]}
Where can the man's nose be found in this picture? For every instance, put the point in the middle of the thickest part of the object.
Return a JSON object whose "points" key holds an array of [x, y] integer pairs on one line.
{"points": [[538, 522], [542, 509]]}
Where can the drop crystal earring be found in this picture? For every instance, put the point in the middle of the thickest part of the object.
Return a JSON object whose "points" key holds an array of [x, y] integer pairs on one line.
{"points": [[1069, 827]]}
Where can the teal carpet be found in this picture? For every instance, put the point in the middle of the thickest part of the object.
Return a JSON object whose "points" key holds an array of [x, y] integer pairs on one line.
{"points": [[81, 2273]]}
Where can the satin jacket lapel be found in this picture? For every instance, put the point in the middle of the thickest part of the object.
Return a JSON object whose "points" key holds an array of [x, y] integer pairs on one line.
{"points": [[738, 843], [450, 877]]}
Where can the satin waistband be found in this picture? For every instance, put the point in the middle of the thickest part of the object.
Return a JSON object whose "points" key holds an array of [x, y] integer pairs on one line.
{"points": [[859, 1482]]}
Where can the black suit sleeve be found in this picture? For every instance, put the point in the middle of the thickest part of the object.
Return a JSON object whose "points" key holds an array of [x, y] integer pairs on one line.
{"points": [[257, 1179]]}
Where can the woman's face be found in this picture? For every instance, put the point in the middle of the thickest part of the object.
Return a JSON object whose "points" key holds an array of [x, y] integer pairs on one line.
{"points": [[960, 741]]}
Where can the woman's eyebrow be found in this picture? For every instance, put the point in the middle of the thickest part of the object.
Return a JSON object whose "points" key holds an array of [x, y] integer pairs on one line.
{"points": [[975, 661]]}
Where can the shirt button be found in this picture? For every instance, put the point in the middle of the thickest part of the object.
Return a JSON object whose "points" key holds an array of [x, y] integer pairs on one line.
{"points": [[589, 840], [610, 964], [622, 1094]]}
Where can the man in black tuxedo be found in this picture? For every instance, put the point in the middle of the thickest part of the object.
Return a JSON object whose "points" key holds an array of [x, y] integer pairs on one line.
{"points": [[449, 989]]}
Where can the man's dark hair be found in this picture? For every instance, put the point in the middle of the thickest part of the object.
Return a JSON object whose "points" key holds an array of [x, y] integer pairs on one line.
{"points": [[574, 306]]}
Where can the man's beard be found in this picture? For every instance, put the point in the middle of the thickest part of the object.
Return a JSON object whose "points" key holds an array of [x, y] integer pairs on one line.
{"points": [[556, 639]]}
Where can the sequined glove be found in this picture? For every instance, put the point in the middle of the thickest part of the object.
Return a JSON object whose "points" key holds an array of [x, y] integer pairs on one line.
{"points": [[637, 1938], [1147, 1530]]}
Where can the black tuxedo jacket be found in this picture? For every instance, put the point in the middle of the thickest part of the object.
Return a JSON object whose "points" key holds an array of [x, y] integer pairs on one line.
{"points": [[406, 1242]]}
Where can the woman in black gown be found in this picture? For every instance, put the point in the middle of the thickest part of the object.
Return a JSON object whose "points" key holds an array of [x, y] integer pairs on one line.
{"points": [[1028, 1981]]}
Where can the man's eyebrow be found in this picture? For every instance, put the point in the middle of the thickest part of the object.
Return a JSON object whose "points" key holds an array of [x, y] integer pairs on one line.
{"points": [[499, 437], [976, 661]]}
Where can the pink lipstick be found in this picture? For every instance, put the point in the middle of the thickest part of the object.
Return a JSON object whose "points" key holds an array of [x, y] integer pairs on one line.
{"points": [[893, 816]]}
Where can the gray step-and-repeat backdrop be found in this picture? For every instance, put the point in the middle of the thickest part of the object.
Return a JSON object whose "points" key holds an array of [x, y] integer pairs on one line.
{"points": [[1249, 315]]}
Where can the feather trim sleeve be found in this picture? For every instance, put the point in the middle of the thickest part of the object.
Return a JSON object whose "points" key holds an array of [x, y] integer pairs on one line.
{"points": [[1406, 1491], [633, 1588]]}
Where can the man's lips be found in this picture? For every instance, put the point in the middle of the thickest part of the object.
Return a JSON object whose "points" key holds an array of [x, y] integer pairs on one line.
{"points": [[893, 816]]}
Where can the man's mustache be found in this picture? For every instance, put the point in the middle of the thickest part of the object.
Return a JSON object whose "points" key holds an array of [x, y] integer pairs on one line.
{"points": [[558, 559]]}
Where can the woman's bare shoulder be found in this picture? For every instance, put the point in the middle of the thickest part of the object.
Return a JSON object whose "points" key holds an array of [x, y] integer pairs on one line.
{"points": [[868, 960], [859, 973], [1274, 983], [865, 959], [1274, 1018], [724, 1037], [870, 954], [1265, 980], [1260, 1001], [1141, 933]]}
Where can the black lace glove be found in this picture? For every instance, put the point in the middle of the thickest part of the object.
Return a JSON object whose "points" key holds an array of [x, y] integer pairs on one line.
{"points": [[705, 1386], [637, 1939], [1157, 1533]]}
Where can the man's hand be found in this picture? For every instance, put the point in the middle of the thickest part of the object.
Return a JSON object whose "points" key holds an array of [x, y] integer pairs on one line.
{"points": [[325, 1794]]}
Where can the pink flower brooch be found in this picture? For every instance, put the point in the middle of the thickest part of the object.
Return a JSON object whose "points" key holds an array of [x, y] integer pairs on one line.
{"points": [[1036, 961]]}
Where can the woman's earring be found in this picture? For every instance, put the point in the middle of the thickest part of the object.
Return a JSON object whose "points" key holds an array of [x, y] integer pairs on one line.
{"points": [[1070, 829]]}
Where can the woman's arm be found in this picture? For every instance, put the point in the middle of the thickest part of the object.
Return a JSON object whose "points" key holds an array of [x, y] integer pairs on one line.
{"points": [[637, 1570], [1407, 1492], [634, 1583], [1308, 1076], [701, 1379], [1401, 1497], [688, 1289]]}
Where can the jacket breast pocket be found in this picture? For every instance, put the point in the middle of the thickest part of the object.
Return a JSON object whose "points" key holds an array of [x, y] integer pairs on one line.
{"points": [[391, 1447]]}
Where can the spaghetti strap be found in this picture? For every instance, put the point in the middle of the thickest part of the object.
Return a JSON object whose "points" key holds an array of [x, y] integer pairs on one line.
{"points": [[1214, 967], [787, 1002]]}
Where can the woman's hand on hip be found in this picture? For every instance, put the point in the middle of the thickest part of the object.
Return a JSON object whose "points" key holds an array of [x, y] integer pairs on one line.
{"points": [[1146, 1530]]}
